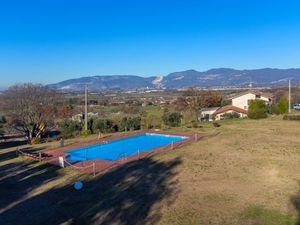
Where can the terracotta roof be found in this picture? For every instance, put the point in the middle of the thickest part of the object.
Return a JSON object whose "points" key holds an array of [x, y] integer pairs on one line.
{"points": [[230, 107]]}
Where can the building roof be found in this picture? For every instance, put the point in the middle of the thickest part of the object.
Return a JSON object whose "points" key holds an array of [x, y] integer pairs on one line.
{"points": [[230, 107], [255, 92]]}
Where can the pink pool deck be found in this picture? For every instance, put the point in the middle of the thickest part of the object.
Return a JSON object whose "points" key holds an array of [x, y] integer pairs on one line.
{"points": [[100, 165]]}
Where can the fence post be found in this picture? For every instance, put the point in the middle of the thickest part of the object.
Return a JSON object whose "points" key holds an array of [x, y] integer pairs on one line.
{"points": [[139, 153], [172, 145], [40, 156], [196, 137], [94, 169]]}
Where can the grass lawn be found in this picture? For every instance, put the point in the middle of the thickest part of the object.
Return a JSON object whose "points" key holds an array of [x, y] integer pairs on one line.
{"points": [[245, 172]]}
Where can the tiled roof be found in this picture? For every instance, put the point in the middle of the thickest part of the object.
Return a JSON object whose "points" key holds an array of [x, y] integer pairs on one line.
{"points": [[230, 107]]}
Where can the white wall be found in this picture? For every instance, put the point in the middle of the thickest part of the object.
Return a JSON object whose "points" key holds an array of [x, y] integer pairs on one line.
{"points": [[220, 115], [242, 102]]}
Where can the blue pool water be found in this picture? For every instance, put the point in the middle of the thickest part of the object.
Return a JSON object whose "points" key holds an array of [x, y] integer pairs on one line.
{"points": [[116, 149]]}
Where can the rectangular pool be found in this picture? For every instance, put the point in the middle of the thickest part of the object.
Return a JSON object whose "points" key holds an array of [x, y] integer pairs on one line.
{"points": [[122, 147]]}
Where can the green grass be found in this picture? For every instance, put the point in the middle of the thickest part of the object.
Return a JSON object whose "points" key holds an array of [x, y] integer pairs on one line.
{"points": [[262, 216]]}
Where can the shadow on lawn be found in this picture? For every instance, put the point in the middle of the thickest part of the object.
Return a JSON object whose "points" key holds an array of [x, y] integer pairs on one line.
{"points": [[124, 195], [12, 154], [295, 200]]}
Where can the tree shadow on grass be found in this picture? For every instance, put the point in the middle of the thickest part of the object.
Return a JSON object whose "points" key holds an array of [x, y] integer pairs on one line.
{"points": [[10, 144], [12, 154], [125, 195], [17, 179], [295, 200]]}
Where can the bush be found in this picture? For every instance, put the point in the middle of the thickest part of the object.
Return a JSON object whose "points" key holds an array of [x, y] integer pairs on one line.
{"points": [[281, 107], [69, 128], [291, 117], [233, 115], [257, 109], [35, 141], [85, 133], [130, 123], [172, 119], [103, 125]]}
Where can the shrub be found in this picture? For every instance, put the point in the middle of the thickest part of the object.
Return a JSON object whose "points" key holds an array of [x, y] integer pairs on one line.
{"points": [[172, 119], [130, 123], [103, 125], [257, 109], [291, 117], [233, 115], [85, 133], [281, 107], [69, 128]]}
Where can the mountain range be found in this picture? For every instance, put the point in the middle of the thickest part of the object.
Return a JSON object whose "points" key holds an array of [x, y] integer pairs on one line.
{"points": [[221, 77]]}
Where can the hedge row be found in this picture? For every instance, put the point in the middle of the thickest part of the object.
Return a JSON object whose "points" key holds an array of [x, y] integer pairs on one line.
{"points": [[291, 117]]}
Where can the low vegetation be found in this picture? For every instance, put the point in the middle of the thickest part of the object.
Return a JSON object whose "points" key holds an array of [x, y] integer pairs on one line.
{"points": [[257, 109]]}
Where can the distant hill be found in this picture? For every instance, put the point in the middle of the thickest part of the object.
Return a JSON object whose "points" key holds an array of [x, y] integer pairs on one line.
{"points": [[221, 77]]}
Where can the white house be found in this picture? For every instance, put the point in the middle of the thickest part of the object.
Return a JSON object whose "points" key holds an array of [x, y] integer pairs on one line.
{"points": [[207, 114], [242, 101], [219, 114]]}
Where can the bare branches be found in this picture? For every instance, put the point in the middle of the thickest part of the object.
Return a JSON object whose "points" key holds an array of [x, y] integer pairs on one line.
{"points": [[29, 108]]}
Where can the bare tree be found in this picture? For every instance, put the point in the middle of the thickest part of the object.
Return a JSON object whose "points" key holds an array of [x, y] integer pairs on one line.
{"points": [[30, 108], [194, 100]]}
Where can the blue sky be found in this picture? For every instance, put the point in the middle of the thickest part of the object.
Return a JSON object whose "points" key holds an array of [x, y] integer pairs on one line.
{"points": [[52, 40]]}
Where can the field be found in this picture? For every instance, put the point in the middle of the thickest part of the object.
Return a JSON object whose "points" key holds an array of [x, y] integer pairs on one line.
{"points": [[244, 172]]}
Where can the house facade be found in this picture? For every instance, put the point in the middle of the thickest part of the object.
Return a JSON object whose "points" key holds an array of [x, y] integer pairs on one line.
{"points": [[243, 101], [219, 114], [207, 114]]}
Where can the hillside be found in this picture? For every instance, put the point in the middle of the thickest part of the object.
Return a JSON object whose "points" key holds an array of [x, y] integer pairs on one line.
{"points": [[221, 77]]}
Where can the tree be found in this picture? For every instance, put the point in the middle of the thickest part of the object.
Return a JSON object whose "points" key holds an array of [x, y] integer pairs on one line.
{"points": [[130, 123], [30, 108], [103, 125], [172, 119], [194, 100], [69, 127], [281, 107], [257, 109], [2, 122]]}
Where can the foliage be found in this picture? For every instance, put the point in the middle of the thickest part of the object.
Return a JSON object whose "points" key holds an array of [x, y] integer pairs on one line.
{"points": [[291, 117], [85, 133], [225, 102], [103, 125], [281, 107], [69, 127], [65, 111], [233, 115], [30, 108], [130, 123], [194, 100], [172, 119], [257, 109]]}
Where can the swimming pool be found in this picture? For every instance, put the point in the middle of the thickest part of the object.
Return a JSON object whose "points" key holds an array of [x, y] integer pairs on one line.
{"points": [[123, 147]]}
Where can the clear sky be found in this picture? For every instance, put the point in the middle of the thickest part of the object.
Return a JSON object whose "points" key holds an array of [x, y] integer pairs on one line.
{"points": [[52, 40]]}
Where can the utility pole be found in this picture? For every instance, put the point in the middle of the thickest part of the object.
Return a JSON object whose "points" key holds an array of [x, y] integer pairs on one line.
{"points": [[289, 96], [85, 108]]}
